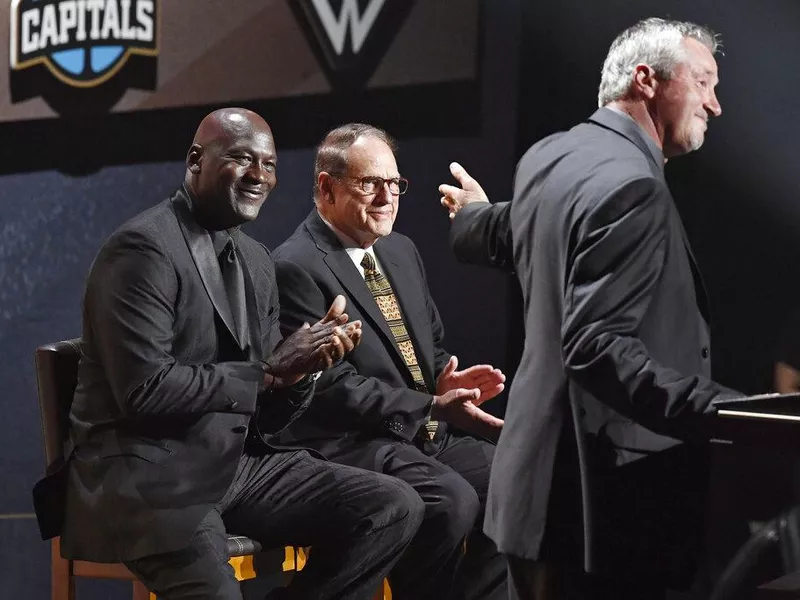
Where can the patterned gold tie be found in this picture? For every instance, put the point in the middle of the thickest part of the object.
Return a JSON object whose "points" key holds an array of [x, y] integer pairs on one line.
{"points": [[384, 296]]}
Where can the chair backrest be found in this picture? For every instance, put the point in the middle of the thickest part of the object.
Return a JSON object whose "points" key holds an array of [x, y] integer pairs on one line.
{"points": [[56, 376]]}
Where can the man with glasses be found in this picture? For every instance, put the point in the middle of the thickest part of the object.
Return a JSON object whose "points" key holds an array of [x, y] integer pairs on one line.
{"points": [[397, 404]]}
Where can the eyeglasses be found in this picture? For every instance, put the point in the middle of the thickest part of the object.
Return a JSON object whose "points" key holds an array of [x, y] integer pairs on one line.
{"points": [[373, 185]]}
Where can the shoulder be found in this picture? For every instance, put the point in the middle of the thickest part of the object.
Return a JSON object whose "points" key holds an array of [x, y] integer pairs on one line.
{"points": [[398, 242], [150, 231], [297, 246]]}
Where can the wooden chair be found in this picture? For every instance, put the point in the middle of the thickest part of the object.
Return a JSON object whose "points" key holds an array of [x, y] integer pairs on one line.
{"points": [[56, 374]]}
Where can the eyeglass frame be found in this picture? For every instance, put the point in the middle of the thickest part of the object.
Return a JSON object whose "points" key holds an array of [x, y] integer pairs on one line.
{"points": [[375, 179]]}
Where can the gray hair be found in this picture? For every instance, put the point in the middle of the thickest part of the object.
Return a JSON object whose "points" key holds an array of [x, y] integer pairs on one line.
{"points": [[654, 42]]}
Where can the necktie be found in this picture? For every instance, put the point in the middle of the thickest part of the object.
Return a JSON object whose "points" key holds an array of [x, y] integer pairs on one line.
{"points": [[233, 277], [384, 296]]}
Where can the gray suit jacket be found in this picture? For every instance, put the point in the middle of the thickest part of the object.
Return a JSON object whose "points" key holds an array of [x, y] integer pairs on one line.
{"points": [[614, 375]]}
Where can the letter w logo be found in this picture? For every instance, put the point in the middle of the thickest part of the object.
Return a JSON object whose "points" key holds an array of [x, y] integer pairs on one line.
{"points": [[349, 15], [350, 37]]}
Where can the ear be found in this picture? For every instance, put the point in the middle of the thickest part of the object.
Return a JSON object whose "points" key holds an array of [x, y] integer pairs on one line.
{"points": [[325, 187], [645, 81], [194, 158]]}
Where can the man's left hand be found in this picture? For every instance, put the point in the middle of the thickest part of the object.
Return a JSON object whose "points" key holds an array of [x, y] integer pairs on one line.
{"points": [[487, 379]]}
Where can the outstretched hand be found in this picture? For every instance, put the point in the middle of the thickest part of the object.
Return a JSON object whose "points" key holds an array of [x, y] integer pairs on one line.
{"points": [[455, 198], [488, 380], [314, 347], [460, 393]]}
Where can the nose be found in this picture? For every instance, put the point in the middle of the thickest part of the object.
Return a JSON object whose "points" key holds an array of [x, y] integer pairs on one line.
{"points": [[384, 196], [712, 105], [258, 172]]}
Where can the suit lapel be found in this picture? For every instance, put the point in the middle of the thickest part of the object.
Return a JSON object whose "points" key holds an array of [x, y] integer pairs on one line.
{"points": [[342, 267], [407, 290], [202, 250]]}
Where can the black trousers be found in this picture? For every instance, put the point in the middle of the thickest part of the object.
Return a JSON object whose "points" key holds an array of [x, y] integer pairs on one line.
{"points": [[358, 524], [451, 475], [534, 580]]}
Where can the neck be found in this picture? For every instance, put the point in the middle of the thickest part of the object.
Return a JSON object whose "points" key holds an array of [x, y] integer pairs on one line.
{"points": [[639, 112]]}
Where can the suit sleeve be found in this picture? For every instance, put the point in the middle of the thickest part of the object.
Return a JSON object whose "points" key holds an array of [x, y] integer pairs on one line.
{"points": [[130, 308], [615, 265], [480, 234], [278, 408], [367, 402]]}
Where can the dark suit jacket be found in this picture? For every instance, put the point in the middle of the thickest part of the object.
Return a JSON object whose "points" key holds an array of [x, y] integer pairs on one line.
{"points": [[481, 235], [615, 370], [371, 391], [165, 392]]}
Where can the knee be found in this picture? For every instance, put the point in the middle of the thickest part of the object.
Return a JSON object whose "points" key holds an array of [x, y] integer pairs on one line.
{"points": [[404, 503], [452, 508], [398, 503]]}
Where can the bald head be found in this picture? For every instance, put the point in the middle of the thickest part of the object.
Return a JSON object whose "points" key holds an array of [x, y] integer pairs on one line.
{"points": [[225, 123], [230, 167]]}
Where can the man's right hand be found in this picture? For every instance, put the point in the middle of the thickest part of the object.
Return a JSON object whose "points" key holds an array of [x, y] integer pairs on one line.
{"points": [[460, 408], [313, 347], [455, 198]]}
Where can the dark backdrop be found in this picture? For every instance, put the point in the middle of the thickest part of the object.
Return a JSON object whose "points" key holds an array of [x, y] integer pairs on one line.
{"points": [[65, 187]]}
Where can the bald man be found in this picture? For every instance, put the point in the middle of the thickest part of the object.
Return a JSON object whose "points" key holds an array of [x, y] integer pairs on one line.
{"points": [[183, 381]]}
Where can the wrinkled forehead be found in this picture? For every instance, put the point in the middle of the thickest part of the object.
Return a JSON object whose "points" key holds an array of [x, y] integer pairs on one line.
{"points": [[370, 156]]}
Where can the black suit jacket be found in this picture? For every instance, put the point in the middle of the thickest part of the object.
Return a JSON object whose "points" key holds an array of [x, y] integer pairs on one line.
{"points": [[371, 391], [166, 393], [615, 369]]}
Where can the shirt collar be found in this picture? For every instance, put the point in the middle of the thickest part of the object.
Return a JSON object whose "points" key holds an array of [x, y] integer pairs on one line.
{"points": [[625, 120], [354, 251]]}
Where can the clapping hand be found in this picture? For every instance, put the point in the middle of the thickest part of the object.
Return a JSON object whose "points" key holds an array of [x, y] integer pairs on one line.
{"points": [[314, 347], [460, 393]]}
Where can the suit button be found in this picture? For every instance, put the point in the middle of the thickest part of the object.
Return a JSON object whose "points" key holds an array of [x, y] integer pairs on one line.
{"points": [[239, 429], [704, 352]]}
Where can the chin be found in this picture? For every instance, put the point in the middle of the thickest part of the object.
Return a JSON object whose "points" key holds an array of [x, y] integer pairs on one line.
{"points": [[247, 212]]}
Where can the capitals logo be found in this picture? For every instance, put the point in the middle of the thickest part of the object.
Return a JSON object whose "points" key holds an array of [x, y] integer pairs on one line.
{"points": [[82, 42]]}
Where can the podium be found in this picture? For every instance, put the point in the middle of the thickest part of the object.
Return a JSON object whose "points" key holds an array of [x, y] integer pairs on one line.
{"points": [[767, 421]]}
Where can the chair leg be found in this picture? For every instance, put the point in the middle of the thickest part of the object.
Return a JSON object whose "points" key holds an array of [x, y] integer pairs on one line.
{"points": [[384, 592], [62, 584], [140, 592]]}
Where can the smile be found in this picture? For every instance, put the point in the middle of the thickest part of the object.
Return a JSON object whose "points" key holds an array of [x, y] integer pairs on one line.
{"points": [[255, 195]]}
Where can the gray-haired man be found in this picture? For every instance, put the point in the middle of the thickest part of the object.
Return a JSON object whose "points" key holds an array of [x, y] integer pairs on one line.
{"points": [[600, 467]]}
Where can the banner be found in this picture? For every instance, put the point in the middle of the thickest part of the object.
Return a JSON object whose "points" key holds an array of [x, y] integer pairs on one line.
{"points": [[65, 57]]}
